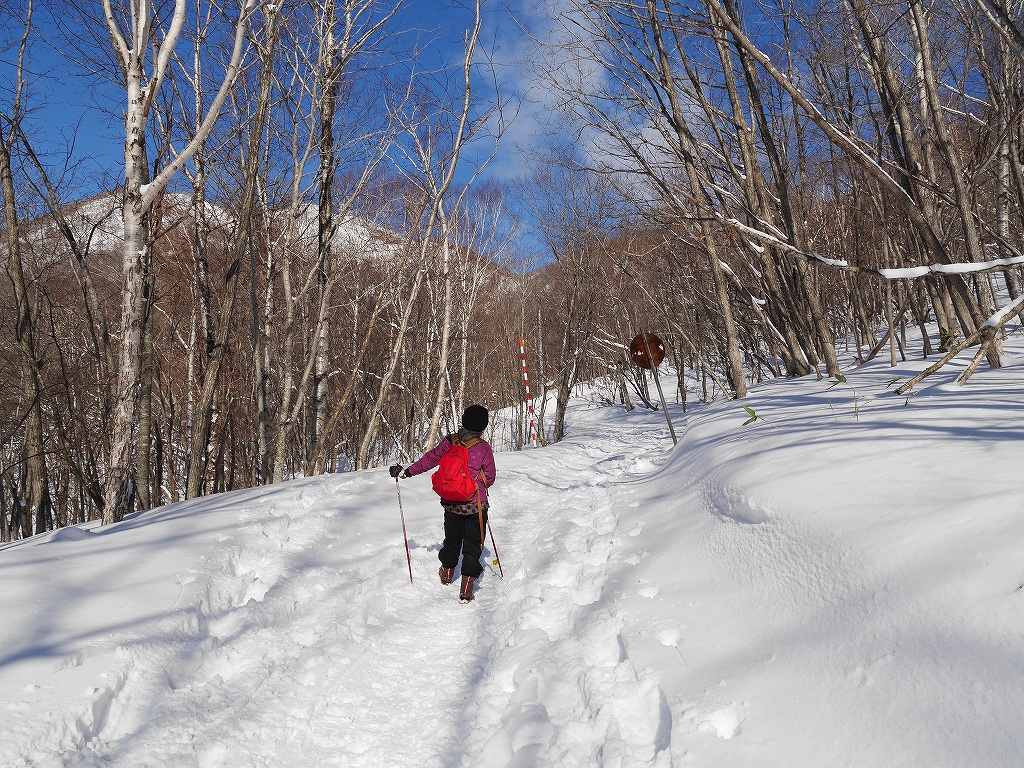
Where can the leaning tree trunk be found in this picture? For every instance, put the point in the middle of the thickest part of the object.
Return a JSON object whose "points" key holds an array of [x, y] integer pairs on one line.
{"points": [[822, 337], [962, 196], [686, 150]]}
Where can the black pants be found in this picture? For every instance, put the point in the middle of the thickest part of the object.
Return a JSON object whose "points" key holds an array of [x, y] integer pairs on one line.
{"points": [[462, 532]]}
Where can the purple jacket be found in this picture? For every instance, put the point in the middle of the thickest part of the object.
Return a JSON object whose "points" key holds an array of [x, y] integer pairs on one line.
{"points": [[481, 462]]}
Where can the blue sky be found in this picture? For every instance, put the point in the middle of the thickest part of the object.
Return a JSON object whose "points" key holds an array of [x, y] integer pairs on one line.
{"points": [[68, 104]]}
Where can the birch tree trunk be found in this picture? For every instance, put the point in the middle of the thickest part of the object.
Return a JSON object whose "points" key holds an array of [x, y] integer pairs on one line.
{"points": [[146, 373], [964, 203], [780, 305], [687, 151], [118, 498], [342, 40], [446, 333], [326, 226], [144, 56]]}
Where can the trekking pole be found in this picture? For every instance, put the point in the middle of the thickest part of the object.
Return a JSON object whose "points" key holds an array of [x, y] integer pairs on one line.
{"points": [[405, 537], [497, 558]]}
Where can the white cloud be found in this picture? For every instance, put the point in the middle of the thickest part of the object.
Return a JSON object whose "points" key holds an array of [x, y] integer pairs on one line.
{"points": [[538, 65]]}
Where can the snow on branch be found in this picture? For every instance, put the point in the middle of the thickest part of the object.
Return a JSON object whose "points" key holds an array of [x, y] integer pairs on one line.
{"points": [[906, 273], [999, 318], [950, 269]]}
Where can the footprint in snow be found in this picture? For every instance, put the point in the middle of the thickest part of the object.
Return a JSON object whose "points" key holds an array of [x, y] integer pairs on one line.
{"points": [[724, 722]]}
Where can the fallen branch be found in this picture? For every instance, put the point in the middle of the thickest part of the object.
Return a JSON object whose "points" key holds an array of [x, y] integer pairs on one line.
{"points": [[987, 331]]}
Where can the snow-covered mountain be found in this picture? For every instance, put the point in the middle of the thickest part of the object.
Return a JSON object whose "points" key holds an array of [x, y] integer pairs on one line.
{"points": [[838, 583], [98, 229]]}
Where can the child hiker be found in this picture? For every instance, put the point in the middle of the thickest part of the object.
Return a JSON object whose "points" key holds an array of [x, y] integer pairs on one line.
{"points": [[465, 520]]}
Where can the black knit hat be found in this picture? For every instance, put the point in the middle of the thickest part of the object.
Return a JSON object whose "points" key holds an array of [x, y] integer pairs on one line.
{"points": [[474, 418]]}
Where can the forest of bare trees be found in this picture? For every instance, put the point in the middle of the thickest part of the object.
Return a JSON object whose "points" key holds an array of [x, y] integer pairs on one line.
{"points": [[304, 266]]}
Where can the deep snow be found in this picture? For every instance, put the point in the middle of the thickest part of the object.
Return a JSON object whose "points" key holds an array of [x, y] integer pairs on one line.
{"points": [[840, 583]]}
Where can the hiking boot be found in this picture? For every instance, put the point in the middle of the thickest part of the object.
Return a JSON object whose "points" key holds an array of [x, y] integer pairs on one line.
{"points": [[447, 575], [466, 590]]}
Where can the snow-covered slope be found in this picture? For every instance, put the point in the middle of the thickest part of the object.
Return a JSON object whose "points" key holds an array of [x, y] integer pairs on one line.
{"points": [[837, 584]]}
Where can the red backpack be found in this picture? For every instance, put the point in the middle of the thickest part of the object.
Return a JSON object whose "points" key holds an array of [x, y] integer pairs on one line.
{"points": [[452, 481]]}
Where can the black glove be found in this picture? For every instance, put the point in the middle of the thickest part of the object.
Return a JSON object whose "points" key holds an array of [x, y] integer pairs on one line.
{"points": [[398, 471]]}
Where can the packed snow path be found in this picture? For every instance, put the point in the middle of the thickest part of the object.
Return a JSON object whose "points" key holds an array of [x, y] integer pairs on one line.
{"points": [[296, 638]]}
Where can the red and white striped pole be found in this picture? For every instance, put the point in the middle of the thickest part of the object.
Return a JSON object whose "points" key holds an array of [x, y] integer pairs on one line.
{"points": [[529, 400]]}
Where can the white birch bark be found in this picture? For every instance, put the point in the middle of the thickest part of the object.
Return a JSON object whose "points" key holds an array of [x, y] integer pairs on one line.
{"points": [[144, 55]]}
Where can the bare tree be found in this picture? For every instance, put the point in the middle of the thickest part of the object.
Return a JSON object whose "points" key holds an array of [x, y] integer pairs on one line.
{"points": [[439, 167], [36, 509], [241, 242], [347, 30], [575, 211], [144, 55]]}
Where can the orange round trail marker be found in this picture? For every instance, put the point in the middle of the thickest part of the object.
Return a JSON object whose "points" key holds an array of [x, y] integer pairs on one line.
{"points": [[647, 351], [638, 351]]}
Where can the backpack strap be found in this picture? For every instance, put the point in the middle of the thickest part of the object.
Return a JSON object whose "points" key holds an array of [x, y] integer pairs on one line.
{"points": [[454, 439]]}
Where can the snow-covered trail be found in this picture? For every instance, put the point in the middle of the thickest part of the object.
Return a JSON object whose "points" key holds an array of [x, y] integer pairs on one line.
{"points": [[840, 586], [557, 686], [284, 630]]}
